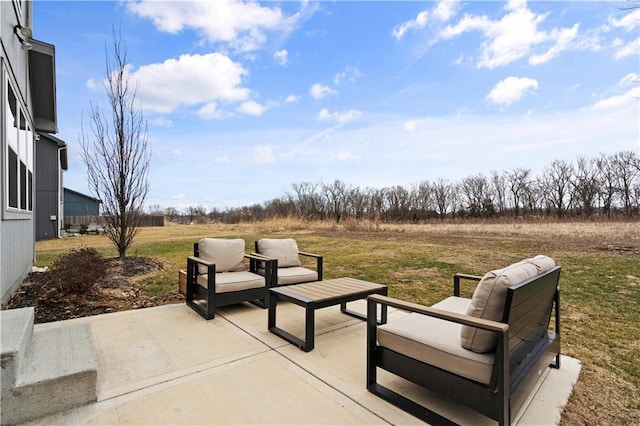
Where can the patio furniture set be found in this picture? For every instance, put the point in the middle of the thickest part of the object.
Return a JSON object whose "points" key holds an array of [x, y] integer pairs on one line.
{"points": [[486, 352]]}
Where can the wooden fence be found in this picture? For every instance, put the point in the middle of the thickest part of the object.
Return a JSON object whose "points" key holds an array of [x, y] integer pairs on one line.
{"points": [[147, 220]]}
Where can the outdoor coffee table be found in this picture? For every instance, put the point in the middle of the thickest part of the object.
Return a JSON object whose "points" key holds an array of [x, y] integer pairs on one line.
{"points": [[317, 295]]}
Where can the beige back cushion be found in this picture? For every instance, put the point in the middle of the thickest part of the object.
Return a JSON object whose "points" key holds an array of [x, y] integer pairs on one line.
{"points": [[490, 296], [227, 254], [283, 249]]}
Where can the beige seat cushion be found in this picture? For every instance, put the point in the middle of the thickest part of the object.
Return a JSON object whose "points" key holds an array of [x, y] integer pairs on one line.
{"points": [[294, 275], [283, 249], [489, 298], [233, 281], [227, 254], [437, 342]]}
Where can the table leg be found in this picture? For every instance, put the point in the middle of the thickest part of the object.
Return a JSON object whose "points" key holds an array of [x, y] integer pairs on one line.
{"points": [[309, 328], [273, 302]]}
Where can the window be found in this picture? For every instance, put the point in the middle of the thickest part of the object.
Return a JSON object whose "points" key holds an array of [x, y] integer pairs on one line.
{"points": [[19, 154]]}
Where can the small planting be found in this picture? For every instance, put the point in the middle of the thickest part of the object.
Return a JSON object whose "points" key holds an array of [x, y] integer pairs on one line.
{"points": [[77, 271]]}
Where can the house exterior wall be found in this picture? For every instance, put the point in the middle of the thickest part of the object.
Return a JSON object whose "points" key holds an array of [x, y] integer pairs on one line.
{"points": [[48, 189], [16, 227], [17, 147], [77, 204], [17, 253]]}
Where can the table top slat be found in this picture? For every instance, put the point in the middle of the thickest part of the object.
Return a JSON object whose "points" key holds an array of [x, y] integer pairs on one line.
{"points": [[318, 291]]}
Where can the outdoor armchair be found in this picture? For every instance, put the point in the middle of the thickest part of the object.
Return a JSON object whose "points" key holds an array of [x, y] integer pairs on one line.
{"points": [[487, 352], [218, 275], [286, 263]]}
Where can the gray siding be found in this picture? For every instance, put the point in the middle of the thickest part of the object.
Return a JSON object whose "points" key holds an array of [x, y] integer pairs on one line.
{"points": [[76, 204], [16, 233], [47, 208], [17, 252], [47, 189]]}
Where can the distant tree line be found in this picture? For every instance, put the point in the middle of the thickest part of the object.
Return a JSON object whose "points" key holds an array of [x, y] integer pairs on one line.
{"points": [[607, 186]]}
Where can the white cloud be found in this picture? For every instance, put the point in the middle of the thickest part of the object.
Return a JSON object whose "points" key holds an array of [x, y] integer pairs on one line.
{"points": [[350, 74], [319, 91], [281, 56], [189, 80], [511, 89], [618, 100], [210, 111], [420, 21], [161, 122], [516, 35], [443, 12], [631, 78], [223, 159], [339, 117], [628, 49], [512, 37], [243, 25], [629, 22], [263, 155], [251, 108], [563, 37], [291, 99], [346, 156], [92, 85], [412, 125], [176, 153]]}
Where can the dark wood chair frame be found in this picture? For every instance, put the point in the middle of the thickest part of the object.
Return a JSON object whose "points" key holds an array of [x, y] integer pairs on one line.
{"points": [[274, 265], [205, 300], [525, 347]]}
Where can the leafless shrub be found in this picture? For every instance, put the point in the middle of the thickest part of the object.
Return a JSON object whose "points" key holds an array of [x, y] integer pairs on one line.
{"points": [[77, 271]]}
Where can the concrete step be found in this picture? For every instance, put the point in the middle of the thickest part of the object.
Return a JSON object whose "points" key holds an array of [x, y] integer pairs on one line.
{"points": [[58, 372], [16, 326]]}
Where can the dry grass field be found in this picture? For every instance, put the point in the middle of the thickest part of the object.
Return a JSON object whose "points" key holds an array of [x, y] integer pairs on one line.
{"points": [[600, 281]]}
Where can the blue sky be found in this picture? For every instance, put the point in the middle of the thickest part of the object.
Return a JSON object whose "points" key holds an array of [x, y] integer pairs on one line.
{"points": [[244, 99]]}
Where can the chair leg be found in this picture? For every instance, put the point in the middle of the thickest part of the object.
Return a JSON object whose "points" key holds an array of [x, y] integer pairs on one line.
{"points": [[211, 293]]}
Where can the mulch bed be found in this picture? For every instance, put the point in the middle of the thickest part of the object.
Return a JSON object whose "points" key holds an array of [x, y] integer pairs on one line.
{"points": [[115, 292]]}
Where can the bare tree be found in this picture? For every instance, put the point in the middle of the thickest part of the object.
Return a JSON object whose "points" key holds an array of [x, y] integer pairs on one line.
{"points": [[475, 190], [627, 170], [117, 153], [586, 184], [607, 182], [423, 199], [443, 192], [171, 213], [499, 190], [519, 182], [306, 199], [556, 182], [335, 195], [357, 203]]}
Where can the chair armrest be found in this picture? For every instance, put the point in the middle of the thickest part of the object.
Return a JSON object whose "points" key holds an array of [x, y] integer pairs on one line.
{"points": [[270, 265], [193, 271], [260, 261], [200, 260], [318, 258], [258, 257], [456, 281], [304, 253], [439, 313]]}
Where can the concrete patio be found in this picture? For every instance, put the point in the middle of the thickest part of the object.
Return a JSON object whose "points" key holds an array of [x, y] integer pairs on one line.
{"points": [[166, 365]]}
